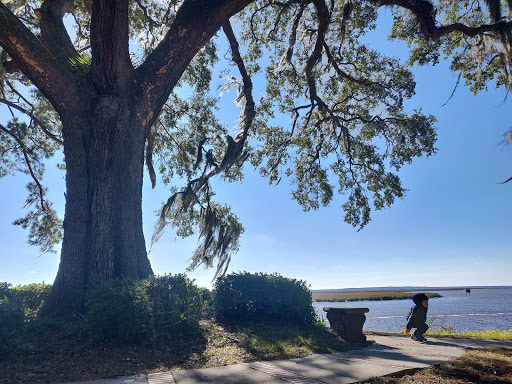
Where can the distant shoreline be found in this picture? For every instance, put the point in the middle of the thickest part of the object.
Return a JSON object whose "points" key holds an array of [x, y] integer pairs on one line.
{"points": [[410, 289], [369, 295]]}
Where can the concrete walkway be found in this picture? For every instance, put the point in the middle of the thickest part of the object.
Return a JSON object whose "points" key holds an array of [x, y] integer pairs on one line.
{"points": [[386, 355]]}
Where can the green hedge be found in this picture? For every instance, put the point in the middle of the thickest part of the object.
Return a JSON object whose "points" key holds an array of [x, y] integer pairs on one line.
{"points": [[12, 315], [175, 300], [33, 295], [119, 311], [135, 311], [206, 296], [263, 296]]}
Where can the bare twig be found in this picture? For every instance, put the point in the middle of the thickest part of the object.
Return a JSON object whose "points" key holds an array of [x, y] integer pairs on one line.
{"points": [[34, 118], [454, 89], [44, 205]]}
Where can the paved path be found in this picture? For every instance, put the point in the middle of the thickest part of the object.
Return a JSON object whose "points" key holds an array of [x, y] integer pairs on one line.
{"points": [[386, 355]]}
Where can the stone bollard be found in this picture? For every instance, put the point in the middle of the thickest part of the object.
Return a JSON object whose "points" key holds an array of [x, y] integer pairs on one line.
{"points": [[347, 322]]}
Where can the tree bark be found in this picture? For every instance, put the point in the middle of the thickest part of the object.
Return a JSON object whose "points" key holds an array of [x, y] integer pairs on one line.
{"points": [[103, 237]]}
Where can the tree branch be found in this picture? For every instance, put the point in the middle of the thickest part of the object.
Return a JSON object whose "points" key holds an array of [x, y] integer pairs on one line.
{"points": [[234, 154], [88, 5], [425, 13], [149, 158], [44, 206], [111, 66], [10, 66], [34, 118], [53, 32], [195, 23], [286, 59], [323, 25], [36, 62], [247, 112], [345, 75]]}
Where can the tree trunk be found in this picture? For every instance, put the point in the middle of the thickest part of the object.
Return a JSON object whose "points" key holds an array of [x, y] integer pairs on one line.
{"points": [[106, 115], [103, 234]]}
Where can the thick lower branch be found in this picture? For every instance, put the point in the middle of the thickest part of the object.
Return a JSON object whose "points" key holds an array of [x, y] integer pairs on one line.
{"points": [[111, 64], [323, 25], [425, 13], [248, 112], [195, 24], [53, 32], [45, 71]]}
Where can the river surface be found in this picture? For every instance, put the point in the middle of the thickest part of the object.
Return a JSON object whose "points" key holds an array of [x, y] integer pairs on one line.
{"points": [[489, 308]]}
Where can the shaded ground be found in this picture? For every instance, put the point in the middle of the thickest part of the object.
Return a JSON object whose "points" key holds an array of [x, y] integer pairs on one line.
{"points": [[489, 366], [62, 351]]}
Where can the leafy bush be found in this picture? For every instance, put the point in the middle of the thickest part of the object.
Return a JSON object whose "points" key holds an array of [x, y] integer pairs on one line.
{"points": [[263, 296], [33, 295], [120, 310], [176, 301], [206, 295], [131, 312], [12, 315]]}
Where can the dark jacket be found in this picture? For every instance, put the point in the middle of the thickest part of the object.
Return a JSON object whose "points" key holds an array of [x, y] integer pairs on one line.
{"points": [[417, 317], [418, 314]]}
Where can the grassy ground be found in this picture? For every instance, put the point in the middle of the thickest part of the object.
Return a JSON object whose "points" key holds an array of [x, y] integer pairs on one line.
{"points": [[57, 351], [489, 334], [61, 351], [335, 296], [490, 366]]}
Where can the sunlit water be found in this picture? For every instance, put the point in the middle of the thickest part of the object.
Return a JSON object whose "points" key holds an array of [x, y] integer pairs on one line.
{"points": [[484, 309]]}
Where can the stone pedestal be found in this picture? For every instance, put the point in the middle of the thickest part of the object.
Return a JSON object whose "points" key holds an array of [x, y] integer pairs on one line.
{"points": [[347, 322]]}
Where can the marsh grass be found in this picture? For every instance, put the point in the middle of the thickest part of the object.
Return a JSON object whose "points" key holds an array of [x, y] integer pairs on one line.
{"points": [[342, 296]]}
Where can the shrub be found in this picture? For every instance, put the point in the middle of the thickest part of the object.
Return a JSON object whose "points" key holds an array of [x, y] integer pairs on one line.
{"points": [[33, 295], [12, 315], [206, 295], [120, 310], [263, 296], [176, 301]]}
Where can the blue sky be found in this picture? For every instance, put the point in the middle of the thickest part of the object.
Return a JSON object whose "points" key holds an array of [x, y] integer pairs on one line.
{"points": [[452, 228]]}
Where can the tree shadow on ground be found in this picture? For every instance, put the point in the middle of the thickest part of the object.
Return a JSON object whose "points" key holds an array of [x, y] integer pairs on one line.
{"points": [[488, 365], [283, 340], [52, 350]]}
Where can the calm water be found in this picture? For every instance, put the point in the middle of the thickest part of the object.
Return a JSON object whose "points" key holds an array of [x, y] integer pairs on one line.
{"points": [[484, 309]]}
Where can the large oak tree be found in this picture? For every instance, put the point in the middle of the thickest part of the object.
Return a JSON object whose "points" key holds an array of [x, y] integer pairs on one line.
{"points": [[107, 97]]}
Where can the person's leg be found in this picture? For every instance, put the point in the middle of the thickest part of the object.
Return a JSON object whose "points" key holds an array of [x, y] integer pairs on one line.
{"points": [[420, 331]]}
